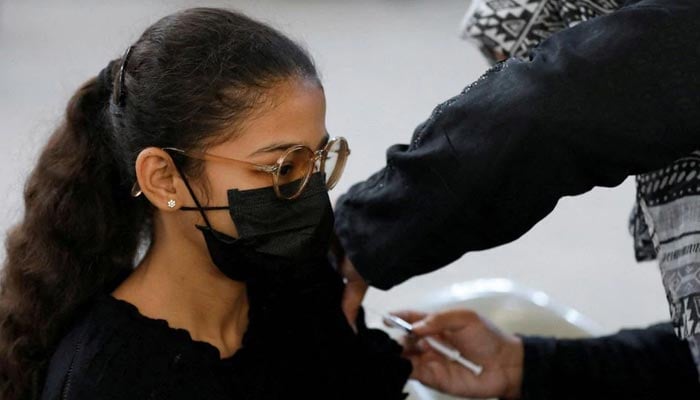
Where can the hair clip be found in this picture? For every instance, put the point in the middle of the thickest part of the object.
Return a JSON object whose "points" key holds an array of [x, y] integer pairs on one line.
{"points": [[120, 94]]}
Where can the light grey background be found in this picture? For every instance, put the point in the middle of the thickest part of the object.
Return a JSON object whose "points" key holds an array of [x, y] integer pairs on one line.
{"points": [[385, 65]]}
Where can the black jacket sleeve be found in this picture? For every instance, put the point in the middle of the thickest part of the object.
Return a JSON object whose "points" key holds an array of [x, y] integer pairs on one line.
{"points": [[613, 96], [637, 364]]}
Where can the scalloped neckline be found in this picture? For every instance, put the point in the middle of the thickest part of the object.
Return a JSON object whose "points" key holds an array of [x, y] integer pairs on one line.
{"points": [[181, 333]]}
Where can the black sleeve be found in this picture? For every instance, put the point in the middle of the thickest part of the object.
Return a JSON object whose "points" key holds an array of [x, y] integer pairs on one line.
{"points": [[613, 96], [635, 364]]}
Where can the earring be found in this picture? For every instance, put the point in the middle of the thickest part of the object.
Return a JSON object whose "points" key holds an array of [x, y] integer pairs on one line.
{"points": [[136, 190], [171, 203]]}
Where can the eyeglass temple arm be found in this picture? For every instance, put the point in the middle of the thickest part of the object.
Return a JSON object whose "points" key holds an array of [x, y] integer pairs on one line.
{"points": [[212, 157]]}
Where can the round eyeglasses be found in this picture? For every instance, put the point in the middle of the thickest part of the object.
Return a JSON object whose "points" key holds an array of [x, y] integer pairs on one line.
{"points": [[291, 173]]}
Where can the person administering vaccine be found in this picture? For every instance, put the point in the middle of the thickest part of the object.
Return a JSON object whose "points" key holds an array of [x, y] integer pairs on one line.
{"points": [[610, 97]]}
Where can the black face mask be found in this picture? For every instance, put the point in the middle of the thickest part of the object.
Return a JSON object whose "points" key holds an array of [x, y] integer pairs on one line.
{"points": [[273, 233]]}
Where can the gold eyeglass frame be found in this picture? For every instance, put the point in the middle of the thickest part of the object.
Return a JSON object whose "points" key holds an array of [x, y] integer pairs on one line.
{"points": [[273, 169]]}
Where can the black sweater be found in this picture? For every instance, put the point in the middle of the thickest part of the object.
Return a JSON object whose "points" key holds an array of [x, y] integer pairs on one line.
{"points": [[615, 96], [294, 347]]}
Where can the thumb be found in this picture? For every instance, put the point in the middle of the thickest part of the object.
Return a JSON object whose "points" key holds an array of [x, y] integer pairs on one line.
{"points": [[353, 295]]}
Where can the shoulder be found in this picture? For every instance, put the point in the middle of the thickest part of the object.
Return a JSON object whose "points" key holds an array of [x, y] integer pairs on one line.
{"points": [[107, 353]]}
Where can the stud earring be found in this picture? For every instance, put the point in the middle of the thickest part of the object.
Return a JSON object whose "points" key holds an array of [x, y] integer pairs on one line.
{"points": [[171, 203]]}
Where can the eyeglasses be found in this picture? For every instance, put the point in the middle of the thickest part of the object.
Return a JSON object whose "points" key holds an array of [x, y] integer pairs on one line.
{"points": [[291, 173]]}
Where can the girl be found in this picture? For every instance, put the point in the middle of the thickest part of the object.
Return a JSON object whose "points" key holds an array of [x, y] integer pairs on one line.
{"points": [[177, 225]]}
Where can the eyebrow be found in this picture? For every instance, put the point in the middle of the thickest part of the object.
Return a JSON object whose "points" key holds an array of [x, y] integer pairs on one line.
{"points": [[275, 147]]}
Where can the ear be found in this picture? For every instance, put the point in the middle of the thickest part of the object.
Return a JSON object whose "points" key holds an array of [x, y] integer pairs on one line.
{"points": [[158, 179]]}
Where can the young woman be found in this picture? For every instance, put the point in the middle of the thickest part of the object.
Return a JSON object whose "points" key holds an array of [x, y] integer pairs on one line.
{"points": [[176, 233]]}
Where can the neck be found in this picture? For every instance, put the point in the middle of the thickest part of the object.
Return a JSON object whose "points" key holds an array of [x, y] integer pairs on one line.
{"points": [[178, 283]]}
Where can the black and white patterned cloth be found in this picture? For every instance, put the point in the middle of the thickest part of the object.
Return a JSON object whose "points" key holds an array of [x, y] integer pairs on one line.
{"points": [[513, 27], [665, 221], [666, 225]]}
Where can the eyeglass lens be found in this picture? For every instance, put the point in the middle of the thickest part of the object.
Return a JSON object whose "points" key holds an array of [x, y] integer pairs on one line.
{"points": [[298, 165]]}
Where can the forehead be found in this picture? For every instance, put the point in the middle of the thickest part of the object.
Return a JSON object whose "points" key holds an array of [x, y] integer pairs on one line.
{"points": [[294, 112]]}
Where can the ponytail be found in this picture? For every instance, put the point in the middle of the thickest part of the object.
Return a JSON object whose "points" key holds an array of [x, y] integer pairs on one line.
{"points": [[192, 76], [78, 238]]}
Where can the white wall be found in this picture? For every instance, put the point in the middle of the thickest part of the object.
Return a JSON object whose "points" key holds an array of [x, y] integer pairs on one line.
{"points": [[385, 65]]}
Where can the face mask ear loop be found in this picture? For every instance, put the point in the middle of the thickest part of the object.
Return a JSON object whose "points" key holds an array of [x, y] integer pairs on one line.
{"points": [[196, 202]]}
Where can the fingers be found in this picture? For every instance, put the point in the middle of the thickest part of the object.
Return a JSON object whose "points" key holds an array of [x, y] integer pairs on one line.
{"points": [[429, 368], [424, 372], [413, 346], [352, 299], [444, 321], [354, 293], [419, 345]]}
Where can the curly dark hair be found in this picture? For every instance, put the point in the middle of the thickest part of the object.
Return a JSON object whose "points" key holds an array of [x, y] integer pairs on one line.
{"points": [[190, 77]]}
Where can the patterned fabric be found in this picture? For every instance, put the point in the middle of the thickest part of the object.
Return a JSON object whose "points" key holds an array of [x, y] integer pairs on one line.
{"points": [[665, 221], [666, 226], [506, 28]]}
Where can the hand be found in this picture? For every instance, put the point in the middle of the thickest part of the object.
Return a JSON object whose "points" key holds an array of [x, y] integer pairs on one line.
{"points": [[477, 340], [354, 293], [355, 285]]}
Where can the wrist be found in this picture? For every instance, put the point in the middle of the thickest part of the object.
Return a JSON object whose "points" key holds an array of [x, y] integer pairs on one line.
{"points": [[514, 357]]}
